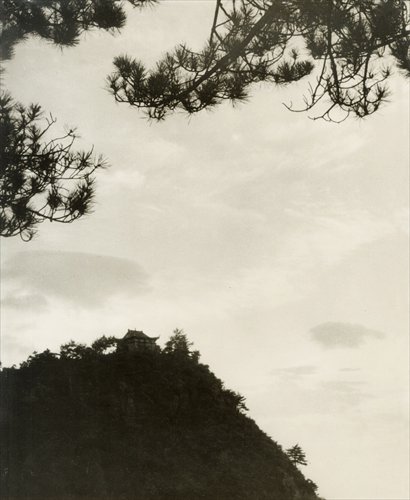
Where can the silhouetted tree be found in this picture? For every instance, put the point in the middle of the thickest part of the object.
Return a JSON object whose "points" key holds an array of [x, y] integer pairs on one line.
{"points": [[236, 399], [180, 345], [278, 41], [313, 485], [42, 178], [58, 21], [296, 455], [104, 344], [73, 350], [37, 359]]}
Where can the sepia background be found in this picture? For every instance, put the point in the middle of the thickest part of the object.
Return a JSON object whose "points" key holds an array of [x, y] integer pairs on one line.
{"points": [[279, 244]]}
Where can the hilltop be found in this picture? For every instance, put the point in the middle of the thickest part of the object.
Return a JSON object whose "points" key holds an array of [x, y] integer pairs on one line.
{"points": [[113, 422]]}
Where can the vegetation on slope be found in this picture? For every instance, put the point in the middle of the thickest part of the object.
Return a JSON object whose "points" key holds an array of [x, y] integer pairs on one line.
{"points": [[134, 425]]}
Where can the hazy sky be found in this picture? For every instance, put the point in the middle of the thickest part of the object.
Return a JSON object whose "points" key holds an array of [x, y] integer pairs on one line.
{"points": [[279, 244]]}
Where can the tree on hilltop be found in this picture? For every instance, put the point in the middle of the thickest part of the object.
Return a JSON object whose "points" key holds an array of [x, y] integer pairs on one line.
{"points": [[179, 344], [104, 345], [73, 350], [278, 41]]}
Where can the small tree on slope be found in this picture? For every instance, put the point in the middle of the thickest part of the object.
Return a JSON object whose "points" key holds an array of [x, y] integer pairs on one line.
{"points": [[296, 455]]}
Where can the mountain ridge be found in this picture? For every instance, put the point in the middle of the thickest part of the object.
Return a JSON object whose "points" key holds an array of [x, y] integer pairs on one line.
{"points": [[148, 424]]}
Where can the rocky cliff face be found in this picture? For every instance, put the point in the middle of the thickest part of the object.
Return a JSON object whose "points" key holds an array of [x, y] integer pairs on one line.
{"points": [[150, 426]]}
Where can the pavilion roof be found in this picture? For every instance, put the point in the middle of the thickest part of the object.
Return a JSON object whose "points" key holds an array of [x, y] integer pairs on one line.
{"points": [[136, 334]]}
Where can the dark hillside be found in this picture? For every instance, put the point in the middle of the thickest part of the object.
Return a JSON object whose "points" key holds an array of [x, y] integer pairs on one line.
{"points": [[134, 425]]}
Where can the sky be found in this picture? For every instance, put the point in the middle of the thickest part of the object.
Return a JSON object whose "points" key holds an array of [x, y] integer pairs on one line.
{"points": [[279, 244]]}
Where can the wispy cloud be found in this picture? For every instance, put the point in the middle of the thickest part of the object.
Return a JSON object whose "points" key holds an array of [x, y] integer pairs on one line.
{"points": [[24, 301], [346, 386], [350, 393], [295, 371], [80, 278], [349, 335]]}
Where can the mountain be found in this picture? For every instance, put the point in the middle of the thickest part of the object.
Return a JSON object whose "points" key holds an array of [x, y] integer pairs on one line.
{"points": [[137, 423]]}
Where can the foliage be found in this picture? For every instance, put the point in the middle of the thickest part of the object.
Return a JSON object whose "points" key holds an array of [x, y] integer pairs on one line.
{"points": [[104, 345], [58, 21], [147, 425], [178, 344], [72, 350], [42, 178], [312, 484], [278, 41], [39, 359], [296, 455], [250, 41]]}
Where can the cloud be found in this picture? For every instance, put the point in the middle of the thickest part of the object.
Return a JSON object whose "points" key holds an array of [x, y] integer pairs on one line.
{"points": [[311, 395], [347, 392], [87, 280], [345, 386], [295, 371], [25, 301], [335, 334]]}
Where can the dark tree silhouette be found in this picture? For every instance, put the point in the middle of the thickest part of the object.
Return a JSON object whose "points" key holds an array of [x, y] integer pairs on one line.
{"points": [[180, 345], [353, 43], [73, 350], [250, 41], [104, 345], [59, 21], [296, 455], [42, 178]]}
